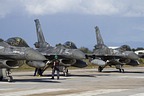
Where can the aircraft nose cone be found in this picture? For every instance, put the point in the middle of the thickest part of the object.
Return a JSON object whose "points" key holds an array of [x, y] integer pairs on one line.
{"points": [[78, 54], [32, 54], [133, 56]]}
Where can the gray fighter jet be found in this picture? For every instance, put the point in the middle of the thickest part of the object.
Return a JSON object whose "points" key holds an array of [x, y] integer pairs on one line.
{"points": [[104, 56], [12, 57], [67, 56]]}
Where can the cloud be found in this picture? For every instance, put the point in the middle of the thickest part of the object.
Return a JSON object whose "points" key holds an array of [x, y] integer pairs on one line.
{"points": [[139, 28], [130, 8], [5, 7], [42, 7], [94, 7], [10, 6]]}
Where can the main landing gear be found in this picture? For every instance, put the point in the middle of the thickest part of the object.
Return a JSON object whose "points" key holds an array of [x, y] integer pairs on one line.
{"points": [[121, 70], [5, 74], [120, 67], [100, 68], [65, 71]]}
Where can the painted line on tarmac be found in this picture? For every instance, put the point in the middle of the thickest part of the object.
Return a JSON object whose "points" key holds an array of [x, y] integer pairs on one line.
{"points": [[139, 94], [30, 92], [95, 92], [6, 89], [141, 77]]}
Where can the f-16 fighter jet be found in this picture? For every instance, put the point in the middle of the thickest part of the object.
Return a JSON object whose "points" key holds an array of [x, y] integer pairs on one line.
{"points": [[12, 57], [104, 56], [67, 56]]}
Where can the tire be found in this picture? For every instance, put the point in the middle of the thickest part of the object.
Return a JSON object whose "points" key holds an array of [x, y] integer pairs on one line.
{"points": [[66, 72], [1, 78], [100, 69], [10, 78]]}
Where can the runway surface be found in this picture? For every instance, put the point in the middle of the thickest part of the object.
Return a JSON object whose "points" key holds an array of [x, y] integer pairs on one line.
{"points": [[80, 82]]}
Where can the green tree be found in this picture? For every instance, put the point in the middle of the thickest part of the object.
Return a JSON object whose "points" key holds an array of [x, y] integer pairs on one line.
{"points": [[139, 48], [85, 50]]}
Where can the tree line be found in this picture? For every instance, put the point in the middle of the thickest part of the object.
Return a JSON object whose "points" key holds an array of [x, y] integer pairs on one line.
{"points": [[87, 50]]}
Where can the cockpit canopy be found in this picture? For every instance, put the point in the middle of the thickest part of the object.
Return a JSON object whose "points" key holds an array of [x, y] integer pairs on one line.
{"points": [[125, 48], [1, 40], [70, 45], [17, 41]]}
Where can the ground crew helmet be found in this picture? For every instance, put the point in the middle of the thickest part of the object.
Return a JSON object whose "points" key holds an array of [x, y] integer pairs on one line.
{"points": [[56, 57]]}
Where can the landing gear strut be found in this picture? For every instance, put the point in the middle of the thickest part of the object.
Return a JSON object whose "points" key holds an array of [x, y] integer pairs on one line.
{"points": [[121, 70], [8, 76], [1, 78], [100, 68], [5, 73], [65, 71], [120, 67]]}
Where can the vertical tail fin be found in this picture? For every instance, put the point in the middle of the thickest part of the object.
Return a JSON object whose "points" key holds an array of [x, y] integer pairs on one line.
{"points": [[98, 36], [102, 48], [41, 40], [40, 35]]}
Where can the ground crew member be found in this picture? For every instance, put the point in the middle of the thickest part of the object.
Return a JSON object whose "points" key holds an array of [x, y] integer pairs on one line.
{"points": [[55, 67]]}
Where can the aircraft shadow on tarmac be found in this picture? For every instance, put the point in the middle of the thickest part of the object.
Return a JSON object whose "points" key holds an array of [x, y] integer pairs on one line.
{"points": [[76, 75], [80, 75], [121, 73], [91, 75], [133, 72], [40, 80], [70, 75]]}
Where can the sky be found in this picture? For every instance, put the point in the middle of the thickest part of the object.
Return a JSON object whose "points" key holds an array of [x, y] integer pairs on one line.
{"points": [[120, 21]]}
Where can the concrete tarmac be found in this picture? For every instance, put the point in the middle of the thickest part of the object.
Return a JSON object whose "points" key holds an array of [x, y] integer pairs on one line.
{"points": [[80, 82]]}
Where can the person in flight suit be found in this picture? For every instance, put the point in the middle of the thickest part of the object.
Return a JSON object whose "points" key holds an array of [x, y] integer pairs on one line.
{"points": [[55, 67]]}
